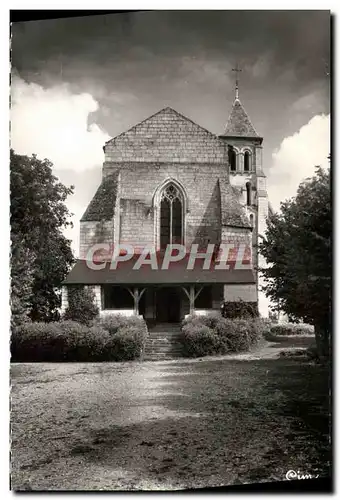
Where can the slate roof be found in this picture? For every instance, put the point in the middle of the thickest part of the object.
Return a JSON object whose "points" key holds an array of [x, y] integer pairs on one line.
{"points": [[164, 111], [176, 274], [239, 124], [103, 203], [232, 212]]}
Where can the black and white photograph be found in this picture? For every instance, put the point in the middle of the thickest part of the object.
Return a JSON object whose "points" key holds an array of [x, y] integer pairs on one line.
{"points": [[170, 250]]}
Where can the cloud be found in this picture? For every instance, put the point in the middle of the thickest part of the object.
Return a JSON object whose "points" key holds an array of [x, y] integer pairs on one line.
{"points": [[53, 124], [297, 157], [262, 66]]}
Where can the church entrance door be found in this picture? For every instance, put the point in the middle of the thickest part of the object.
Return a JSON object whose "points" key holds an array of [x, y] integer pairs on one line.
{"points": [[168, 305]]}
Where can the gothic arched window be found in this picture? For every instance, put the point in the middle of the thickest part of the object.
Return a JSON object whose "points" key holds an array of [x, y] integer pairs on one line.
{"points": [[248, 188], [247, 161], [171, 216], [232, 158]]}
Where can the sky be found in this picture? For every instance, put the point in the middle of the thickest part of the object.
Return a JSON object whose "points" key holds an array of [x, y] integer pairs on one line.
{"points": [[76, 82]]}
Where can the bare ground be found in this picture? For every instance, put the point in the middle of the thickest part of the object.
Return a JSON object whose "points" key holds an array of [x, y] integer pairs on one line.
{"points": [[168, 425]]}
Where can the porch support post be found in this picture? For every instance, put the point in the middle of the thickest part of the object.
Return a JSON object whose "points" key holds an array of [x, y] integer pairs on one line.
{"points": [[192, 299], [136, 297], [191, 296]]}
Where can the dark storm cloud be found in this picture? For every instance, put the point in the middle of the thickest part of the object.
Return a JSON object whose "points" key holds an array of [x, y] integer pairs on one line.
{"points": [[298, 39], [136, 63]]}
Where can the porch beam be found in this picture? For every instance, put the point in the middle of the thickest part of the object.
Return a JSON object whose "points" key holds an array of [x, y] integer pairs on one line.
{"points": [[186, 292], [199, 291]]}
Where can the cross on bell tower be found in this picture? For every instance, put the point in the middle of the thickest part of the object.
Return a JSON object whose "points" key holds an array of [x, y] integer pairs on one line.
{"points": [[237, 71]]}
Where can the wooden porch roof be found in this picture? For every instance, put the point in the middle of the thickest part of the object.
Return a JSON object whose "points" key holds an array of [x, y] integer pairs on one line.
{"points": [[177, 274]]}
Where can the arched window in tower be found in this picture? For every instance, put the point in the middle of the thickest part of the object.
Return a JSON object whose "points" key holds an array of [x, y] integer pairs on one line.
{"points": [[232, 158], [246, 161], [171, 216], [248, 188]]}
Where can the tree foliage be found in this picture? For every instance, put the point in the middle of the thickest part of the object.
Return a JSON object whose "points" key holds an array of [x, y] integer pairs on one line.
{"points": [[297, 248], [40, 253], [81, 306]]}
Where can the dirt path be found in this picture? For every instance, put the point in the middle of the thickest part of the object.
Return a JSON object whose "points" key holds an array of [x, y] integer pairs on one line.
{"points": [[164, 425]]}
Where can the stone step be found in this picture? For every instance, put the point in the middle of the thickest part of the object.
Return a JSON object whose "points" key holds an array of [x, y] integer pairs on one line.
{"points": [[163, 350], [161, 346], [165, 328], [163, 342], [163, 339], [172, 338], [164, 333]]}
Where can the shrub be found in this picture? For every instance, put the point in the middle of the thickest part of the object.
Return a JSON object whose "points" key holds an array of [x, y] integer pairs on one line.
{"points": [[239, 309], [128, 343], [72, 341], [83, 343], [200, 340], [81, 306], [237, 334], [203, 335], [288, 329], [127, 336], [113, 322], [38, 342], [210, 320]]}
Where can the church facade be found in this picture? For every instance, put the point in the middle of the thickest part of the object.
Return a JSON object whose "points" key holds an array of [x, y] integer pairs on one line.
{"points": [[169, 183]]}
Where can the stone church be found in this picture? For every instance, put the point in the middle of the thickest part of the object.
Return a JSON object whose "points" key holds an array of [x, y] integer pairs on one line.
{"points": [[169, 181]]}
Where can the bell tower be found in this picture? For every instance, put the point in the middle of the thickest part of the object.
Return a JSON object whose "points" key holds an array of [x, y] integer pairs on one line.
{"points": [[244, 147]]}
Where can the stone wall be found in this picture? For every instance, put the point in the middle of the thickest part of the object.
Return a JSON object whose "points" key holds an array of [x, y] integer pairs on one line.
{"points": [[92, 232], [138, 212], [234, 293], [168, 137]]}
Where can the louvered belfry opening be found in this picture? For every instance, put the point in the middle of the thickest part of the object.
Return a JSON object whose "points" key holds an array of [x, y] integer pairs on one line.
{"points": [[232, 158], [171, 217], [246, 161]]}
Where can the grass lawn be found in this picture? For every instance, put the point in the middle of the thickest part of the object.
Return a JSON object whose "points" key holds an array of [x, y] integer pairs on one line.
{"points": [[167, 425]]}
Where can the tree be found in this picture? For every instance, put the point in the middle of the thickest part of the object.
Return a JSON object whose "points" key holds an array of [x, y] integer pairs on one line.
{"points": [[21, 281], [40, 254], [298, 251], [81, 306]]}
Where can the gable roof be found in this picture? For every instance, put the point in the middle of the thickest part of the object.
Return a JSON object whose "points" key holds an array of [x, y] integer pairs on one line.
{"points": [[102, 205], [164, 111], [166, 136], [239, 124]]}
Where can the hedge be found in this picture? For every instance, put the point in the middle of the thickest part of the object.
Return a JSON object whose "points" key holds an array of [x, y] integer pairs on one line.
{"points": [[213, 334], [288, 329], [72, 341], [113, 322], [240, 309]]}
